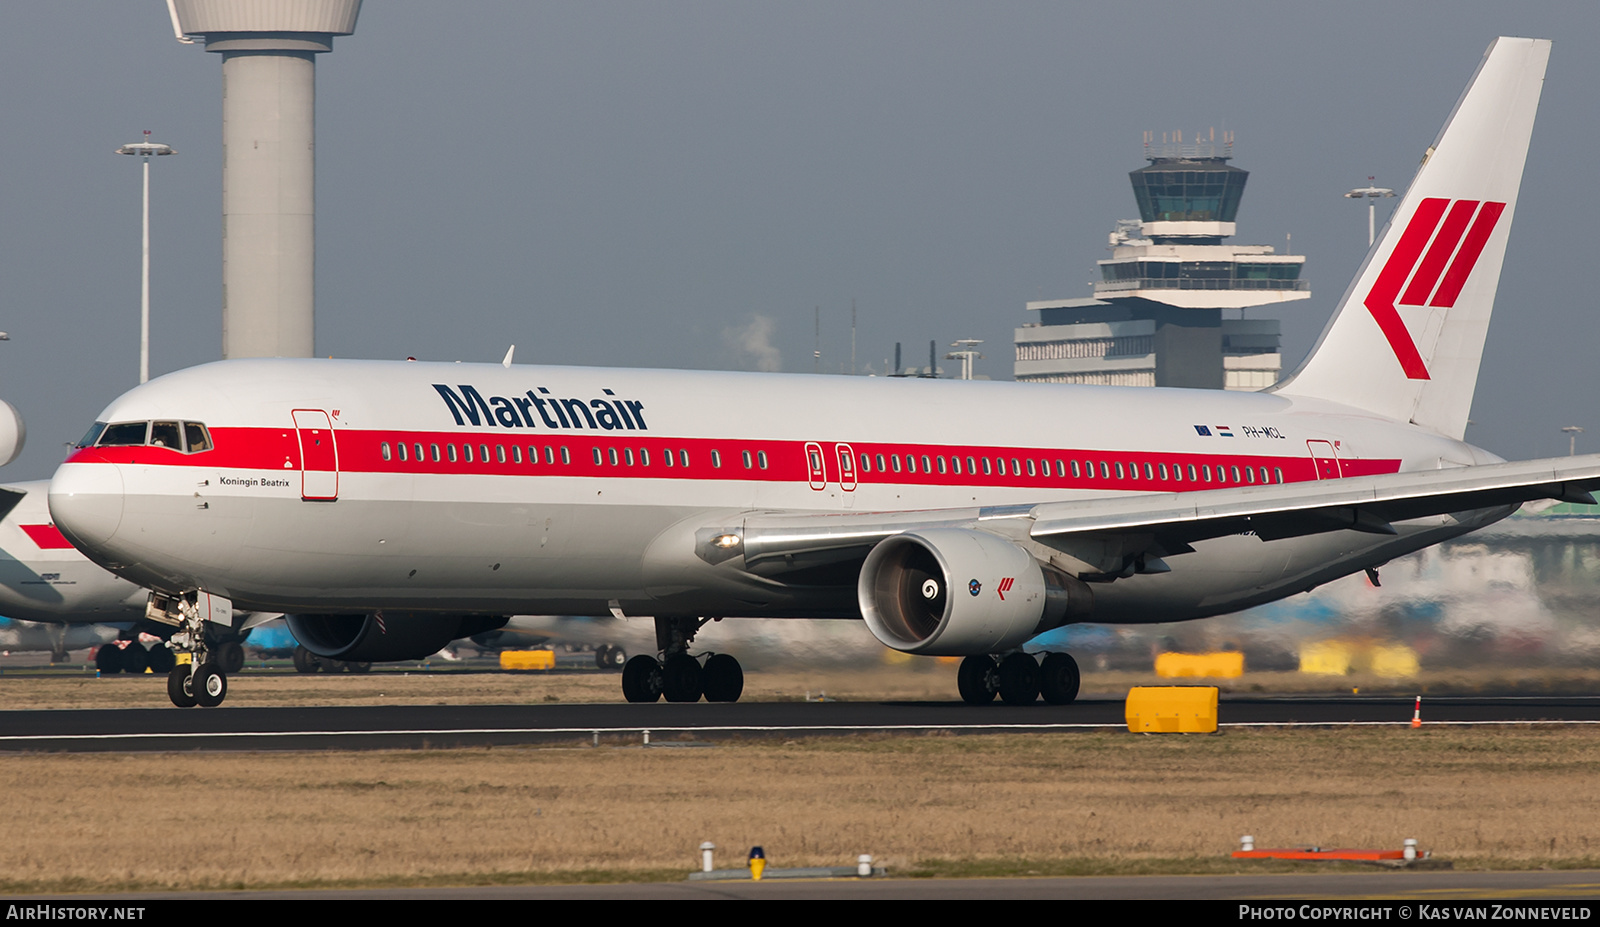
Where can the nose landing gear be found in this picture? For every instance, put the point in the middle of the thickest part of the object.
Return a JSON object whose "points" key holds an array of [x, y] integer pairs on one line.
{"points": [[200, 681]]}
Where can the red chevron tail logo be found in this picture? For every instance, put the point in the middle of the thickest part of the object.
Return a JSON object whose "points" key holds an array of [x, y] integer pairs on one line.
{"points": [[1005, 586], [1453, 237]]}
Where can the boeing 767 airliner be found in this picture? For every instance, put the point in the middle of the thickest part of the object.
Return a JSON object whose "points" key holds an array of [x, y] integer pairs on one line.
{"points": [[389, 507]]}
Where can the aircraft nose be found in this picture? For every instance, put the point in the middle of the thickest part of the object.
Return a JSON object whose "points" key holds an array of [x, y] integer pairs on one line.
{"points": [[86, 503]]}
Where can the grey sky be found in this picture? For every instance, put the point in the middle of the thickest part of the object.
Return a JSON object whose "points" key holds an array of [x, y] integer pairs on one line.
{"points": [[636, 184]]}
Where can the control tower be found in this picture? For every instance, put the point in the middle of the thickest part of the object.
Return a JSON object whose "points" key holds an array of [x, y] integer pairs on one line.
{"points": [[1156, 318], [268, 50]]}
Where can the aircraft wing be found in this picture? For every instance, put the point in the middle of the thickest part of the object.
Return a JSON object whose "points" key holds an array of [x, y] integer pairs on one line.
{"points": [[775, 543]]}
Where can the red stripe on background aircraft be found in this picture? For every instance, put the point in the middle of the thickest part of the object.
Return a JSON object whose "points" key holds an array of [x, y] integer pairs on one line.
{"points": [[390, 507]]}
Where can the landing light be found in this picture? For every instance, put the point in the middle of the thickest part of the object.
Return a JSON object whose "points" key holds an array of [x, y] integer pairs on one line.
{"points": [[726, 541]]}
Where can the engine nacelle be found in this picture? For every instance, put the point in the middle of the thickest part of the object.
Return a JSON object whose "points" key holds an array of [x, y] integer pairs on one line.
{"points": [[377, 638], [957, 592], [12, 432]]}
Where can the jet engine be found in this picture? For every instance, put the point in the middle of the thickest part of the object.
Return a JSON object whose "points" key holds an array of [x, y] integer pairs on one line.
{"points": [[957, 592], [377, 637], [12, 432]]}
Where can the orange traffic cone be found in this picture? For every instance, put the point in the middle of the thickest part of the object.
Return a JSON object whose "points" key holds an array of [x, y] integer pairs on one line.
{"points": [[1416, 714]]}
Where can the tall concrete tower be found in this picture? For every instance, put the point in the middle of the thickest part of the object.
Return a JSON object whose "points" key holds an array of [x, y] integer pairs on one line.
{"points": [[269, 95]]}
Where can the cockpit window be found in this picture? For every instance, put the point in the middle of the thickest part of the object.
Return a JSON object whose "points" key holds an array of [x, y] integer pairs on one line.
{"points": [[185, 437], [124, 434], [165, 434], [93, 434], [199, 438]]}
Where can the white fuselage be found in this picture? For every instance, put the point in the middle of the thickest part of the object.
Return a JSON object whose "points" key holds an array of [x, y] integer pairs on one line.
{"points": [[580, 490]]}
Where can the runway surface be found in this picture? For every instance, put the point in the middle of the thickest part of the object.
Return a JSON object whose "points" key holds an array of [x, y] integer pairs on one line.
{"points": [[665, 725]]}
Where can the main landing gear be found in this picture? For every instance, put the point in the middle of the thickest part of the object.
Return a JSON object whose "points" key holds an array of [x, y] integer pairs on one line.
{"points": [[1018, 678], [677, 676], [307, 662]]}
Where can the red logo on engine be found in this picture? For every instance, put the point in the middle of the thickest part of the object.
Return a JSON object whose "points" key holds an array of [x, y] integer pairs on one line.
{"points": [[1005, 587], [1436, 278]]}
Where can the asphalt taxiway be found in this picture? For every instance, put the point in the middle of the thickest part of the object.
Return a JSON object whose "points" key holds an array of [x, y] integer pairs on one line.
{"points": [[663, 724]]}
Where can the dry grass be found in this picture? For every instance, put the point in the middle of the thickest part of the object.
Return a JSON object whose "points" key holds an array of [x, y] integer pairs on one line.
{"points": [[1042, 803]]}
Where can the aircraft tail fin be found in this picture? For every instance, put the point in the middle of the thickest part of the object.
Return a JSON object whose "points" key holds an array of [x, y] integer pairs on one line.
{"points": [[1407, 337]]}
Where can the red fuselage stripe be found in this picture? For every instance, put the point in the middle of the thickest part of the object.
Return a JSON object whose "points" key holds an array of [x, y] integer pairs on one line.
{"points": [[360, 451]]}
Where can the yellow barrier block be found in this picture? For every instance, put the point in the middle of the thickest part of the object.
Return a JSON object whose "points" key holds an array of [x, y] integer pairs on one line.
{"points": [[1394, 661], [527, 659], [1328, 658], [1225, 664], [1172, 709]]}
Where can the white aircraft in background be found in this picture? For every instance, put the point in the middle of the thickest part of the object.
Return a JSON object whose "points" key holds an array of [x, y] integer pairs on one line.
{"points": [[392, 507], [59, 600], [44, 579]]}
